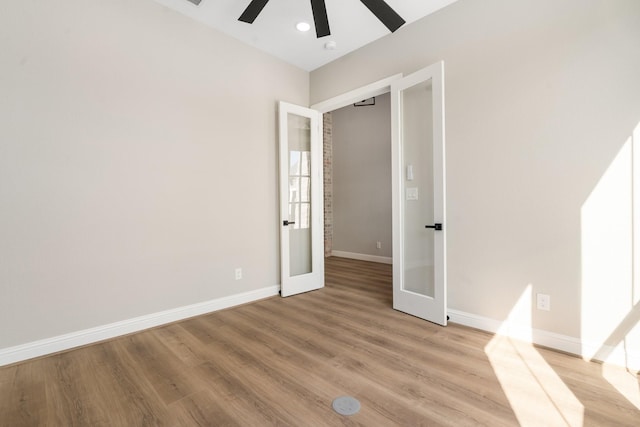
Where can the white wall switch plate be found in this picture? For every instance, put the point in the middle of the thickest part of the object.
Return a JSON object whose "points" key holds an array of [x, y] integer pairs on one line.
{"points": [[409, 172], [238, 273]]}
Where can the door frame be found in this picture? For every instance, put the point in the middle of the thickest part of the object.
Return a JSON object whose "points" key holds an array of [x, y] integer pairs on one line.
{"points": [[378, 88]]}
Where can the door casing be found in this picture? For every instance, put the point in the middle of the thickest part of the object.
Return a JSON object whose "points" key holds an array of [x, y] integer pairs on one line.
{"points": [[378, 88]]}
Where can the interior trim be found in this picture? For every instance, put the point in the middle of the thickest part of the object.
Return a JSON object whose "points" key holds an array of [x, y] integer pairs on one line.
{"points": [[629, 359], [64, 342], [365, 92], [362, 257]]}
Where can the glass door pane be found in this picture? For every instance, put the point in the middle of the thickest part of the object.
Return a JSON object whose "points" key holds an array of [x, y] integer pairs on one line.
{"points": [[300, 248], [418, 188]]}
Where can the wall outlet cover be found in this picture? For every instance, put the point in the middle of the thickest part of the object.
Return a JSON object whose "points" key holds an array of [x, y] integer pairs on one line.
{"points": [[412, 193], [543, 302]]}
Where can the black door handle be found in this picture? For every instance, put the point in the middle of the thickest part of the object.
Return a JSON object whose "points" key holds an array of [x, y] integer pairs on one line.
{"points": [[285, 222], [435, 226]]}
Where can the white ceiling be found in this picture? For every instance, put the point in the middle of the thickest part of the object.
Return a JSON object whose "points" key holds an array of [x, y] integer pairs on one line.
{"points": [[352, 25]]}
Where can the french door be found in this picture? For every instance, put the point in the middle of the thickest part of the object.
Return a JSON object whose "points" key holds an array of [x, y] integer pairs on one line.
{"points": [[418, 192], [301, 200]]}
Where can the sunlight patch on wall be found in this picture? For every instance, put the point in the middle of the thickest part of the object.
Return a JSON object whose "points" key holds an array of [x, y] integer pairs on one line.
{"points": [[518, 323], [610, 250], [633, 318]]}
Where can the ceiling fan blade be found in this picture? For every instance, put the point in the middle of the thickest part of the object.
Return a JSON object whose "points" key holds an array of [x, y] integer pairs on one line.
{"points": [[385, 14], [320, 18], [252, 11]]}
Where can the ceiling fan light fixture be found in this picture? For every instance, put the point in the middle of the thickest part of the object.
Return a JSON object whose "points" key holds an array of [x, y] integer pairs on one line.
{"points": [[303, 26], [379, 8]]}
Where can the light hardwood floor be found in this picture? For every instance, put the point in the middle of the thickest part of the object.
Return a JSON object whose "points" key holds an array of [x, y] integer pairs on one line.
{"points": [[281, 361]]}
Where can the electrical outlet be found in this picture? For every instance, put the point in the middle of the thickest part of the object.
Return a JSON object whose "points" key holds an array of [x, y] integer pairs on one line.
{"points": [[543, 302], [379, 245], [238, 273]]}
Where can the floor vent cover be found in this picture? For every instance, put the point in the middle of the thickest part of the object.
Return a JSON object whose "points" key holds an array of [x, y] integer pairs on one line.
{"points": [[346, 405]]}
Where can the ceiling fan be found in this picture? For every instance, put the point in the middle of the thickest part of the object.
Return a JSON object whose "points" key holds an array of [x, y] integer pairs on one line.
{"points": [[379, 8]]}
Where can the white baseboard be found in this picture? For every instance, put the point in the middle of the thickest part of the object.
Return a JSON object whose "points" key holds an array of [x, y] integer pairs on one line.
{"points": [[88, 336], [615, 356], [363, 257], [629, 359]]}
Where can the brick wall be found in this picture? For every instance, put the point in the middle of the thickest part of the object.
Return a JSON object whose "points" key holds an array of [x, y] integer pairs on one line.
{"points": [[328, 183]]}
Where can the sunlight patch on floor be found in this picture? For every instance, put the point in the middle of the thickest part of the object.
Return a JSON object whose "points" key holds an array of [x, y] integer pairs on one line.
{"points": [[537, 395], [624, 381]]}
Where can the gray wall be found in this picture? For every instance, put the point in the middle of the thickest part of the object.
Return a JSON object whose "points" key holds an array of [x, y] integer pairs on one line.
{"points": [[130, 137], [542, 98], [362, 178], [138, 164]]}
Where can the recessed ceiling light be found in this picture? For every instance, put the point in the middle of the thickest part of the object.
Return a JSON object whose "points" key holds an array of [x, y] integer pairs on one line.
{"points": [[303, 26]]}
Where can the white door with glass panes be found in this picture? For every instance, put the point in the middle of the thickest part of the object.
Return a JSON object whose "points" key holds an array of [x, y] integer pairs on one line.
{"points": [[418, 192], [301, 195]]}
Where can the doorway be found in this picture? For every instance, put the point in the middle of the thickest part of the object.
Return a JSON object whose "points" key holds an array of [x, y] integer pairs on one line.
{"points": [[417, 138], [357, 181]]}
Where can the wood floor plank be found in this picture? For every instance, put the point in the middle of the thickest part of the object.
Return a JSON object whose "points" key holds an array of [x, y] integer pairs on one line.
{"points": [[71, 390], [382, 353], [292, 372], [171, 379], [25, 403], [128, 397], [204, 409], [184, 346], [281, 361]]}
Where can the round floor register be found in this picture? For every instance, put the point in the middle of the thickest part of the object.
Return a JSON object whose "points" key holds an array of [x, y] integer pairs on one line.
{"points": [[346, 405]]}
